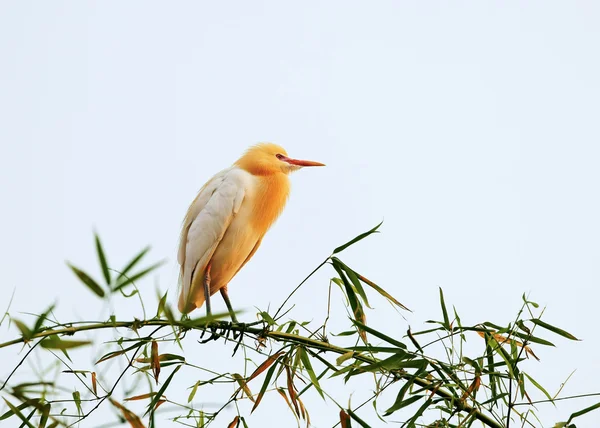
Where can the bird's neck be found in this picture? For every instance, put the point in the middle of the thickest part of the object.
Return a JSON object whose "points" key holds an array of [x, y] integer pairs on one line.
{"points": [[272, 192]]}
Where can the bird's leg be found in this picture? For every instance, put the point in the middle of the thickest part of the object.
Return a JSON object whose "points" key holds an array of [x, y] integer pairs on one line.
{"points": [[207, 290], [206, 281], [228, 303]]}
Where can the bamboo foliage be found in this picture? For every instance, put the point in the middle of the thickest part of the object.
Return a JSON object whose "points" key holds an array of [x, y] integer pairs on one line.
{"points": [[423, 386]]}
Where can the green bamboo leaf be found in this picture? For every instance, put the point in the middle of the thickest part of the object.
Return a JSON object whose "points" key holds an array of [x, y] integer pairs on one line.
{"points": [[161, 391], [553, 329], [414, 341], [265, 384], [171, 357], [445, 381], [431, 330], [444, 310], [193, 393], [521, 386], [355, 240], [376, 349], [161, 304], [472, 363], [535, 305], [489, 354], [87, 280], [355, 305], [532, 339], [354, 279], [378, 334], [349, 369], [383, 292], [24, 405], [102, 259], [523, 327], [16, 410], [55, 342], [45, 415], [311, 373], [113, 354], [41, 319], [400, 403], [133, 293], [345, 333], [128, 280], [267, 318], [357, 278], [162, 358], [580, 412], [344, 357], [538, 386], [417, 415], [132, 263], [162, 365], [395, 362], [77, 399], [495, 326], [512, 369], [25, 331], [357, 419]]}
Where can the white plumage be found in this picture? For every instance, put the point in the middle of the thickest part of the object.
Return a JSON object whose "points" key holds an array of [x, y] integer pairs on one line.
{"points": [[209, 218]]}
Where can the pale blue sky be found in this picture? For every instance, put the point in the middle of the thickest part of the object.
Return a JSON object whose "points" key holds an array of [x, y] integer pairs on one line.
{"points": [[470, 127]]}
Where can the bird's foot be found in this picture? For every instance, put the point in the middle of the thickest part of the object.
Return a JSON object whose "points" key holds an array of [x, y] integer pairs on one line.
{"points": [[239, 329], [214, 335], [238, 334], [234, 329]]}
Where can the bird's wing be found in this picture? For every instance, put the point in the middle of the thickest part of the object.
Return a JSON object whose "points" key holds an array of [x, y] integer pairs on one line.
{"points": [[206, 222]]}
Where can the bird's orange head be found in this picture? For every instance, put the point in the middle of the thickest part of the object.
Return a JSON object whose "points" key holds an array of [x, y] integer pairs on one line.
{"points": [[270, 159]]}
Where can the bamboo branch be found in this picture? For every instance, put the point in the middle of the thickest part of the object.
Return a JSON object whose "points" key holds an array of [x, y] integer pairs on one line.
{"points": [[260, 332]]}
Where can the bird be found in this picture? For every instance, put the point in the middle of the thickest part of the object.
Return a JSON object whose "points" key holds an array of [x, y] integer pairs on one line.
{"points": [[226, 222]]}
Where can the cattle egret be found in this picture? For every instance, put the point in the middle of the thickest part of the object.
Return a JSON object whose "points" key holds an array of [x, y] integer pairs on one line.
{"points": [[227, 220]]}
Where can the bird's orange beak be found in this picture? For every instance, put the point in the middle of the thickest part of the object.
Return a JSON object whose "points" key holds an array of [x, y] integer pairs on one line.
{"points": [[299, 162]]}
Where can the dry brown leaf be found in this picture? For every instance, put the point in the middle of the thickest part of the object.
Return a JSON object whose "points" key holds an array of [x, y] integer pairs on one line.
{"points": [[133, 419], [243, 385], [110, 355], [234, 422], [472, 388], [155, 362], [503, 339], [302, 409], [305, 415], [141, 397], [284, 395], [344, 419], [94, 383], [265, 365], [292, 389], [362, 318]]}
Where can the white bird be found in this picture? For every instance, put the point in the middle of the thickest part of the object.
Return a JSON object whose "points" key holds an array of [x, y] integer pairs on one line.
{"points": [[227, 220]]}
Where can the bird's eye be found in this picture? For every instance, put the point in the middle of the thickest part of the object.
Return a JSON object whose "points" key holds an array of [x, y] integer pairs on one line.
{"points": [[279, 156]]}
